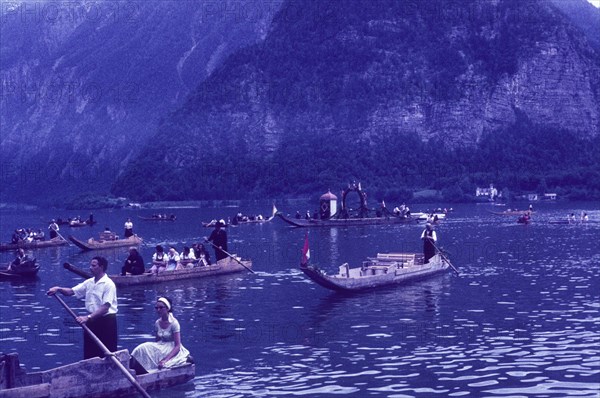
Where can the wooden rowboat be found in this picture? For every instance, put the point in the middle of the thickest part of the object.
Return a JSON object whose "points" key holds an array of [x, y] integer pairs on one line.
{"points": [[169, 218], [75, 223], [385, 269], [93, 244], [342, 222], [511, 212], [224, 266], [36, 244], [27, 269], [95, 377]]}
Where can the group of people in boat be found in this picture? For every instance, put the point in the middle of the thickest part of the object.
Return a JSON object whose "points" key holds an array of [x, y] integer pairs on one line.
{"points": [[171, 260], [583, 218], [21, 260], [400, 211], [27, 235], [163, 216], [79, 221], [108, 235], [308, 215], [242, 218], [101, 304], [525, 217]]}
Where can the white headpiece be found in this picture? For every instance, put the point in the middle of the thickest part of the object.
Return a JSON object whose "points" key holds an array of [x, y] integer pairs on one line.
{"points": [[165, 302]]}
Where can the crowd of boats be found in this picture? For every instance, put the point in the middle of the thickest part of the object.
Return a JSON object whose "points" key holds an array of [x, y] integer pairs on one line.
{"points": [[382, 269], [526, 216]]}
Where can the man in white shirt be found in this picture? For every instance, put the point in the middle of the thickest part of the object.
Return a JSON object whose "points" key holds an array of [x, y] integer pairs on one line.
{"points": [[100, 294]]}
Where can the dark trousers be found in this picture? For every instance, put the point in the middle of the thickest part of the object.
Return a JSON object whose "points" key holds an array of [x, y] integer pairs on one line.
{"points": [[428, 250], [220, 254], [105, 328]]}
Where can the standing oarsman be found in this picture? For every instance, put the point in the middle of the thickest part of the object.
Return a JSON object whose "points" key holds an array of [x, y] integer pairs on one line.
{"points": [[53, 228], [219, 239], [429, 238], [128, 228], [100, 295]]}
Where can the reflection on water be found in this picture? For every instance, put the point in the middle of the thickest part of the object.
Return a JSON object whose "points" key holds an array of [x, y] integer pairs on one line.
{"points": [[522, 319]]}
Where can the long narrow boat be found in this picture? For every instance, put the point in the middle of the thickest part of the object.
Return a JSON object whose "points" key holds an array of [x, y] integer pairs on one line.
{"points": [[224, 266], [510, 212], [93, 244], [342, 222], [385, 269], [255, 221], [168, 218], [76, 223], [425, 216], [93, 377], [25, 270], [36, 244]]}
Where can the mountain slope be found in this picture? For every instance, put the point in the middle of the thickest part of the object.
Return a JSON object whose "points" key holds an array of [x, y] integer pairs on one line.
{"points": [[336, 87], [85, 84]]}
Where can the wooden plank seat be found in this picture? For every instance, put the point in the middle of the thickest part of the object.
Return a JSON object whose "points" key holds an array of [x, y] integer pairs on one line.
{"points": [[368, 268], [404, 259]]}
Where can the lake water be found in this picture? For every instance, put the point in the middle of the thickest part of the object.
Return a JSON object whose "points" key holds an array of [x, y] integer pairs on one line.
{"points": [[521, 320]]}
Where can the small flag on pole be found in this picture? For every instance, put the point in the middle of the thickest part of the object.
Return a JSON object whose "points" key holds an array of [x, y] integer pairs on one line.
{"points": [[305, 252]]}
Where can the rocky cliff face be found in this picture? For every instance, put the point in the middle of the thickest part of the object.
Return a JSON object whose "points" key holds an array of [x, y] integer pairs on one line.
{"points": [[364, 72], [85, 84], [83, 87]]}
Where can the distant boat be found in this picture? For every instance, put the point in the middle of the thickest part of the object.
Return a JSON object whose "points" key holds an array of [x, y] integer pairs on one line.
{"points": [[329, 215], [511, 212], [36, 244], [425, 216], [524, 219], [342, 222], [79, 223], [156, 218], [95, 377], [93, 244], [27, 269], [383, 270], [240, 219], [224, 266]]}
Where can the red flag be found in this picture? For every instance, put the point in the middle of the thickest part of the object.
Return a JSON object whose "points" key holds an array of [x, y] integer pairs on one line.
{"points": [[305, 252]]}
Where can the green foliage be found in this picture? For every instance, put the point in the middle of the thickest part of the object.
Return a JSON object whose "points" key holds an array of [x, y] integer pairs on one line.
{"points": [[523, 158], [91, 201], [322, 82]]}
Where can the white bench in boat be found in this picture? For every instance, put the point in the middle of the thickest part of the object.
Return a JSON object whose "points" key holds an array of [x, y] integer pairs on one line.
{"points": [[408, 258], [344, 270], [401, 260]]}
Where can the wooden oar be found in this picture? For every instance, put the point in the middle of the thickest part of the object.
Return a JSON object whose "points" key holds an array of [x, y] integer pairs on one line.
{"points": [[105, 350], [62, 237], [77, 270], [230, 255], [445, 258]]}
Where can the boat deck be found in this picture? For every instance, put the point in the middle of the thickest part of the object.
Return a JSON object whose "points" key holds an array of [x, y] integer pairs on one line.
{"points": [[93, 377]]}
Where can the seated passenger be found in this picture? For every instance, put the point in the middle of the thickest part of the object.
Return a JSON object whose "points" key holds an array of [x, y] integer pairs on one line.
{"points": [[186, 259], [167, 351], [159, 260]]}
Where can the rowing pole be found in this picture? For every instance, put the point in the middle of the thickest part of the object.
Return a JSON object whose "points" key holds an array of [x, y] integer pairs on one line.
{"points": [[106, 351], [230, 255], [445, 258]]}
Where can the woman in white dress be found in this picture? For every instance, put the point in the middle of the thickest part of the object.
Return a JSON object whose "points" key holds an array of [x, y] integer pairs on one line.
{"points": [[166, 351]]}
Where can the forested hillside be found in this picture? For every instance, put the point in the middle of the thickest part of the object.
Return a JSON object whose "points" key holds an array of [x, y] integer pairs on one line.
{"points": [[400, 95]]}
